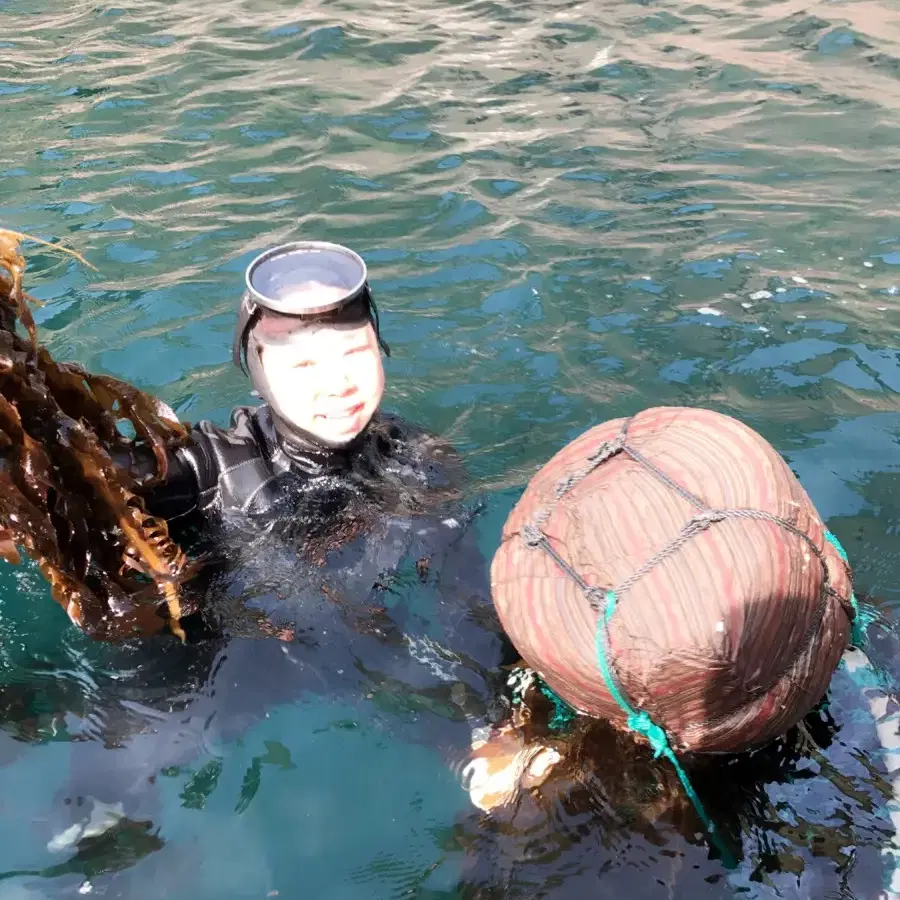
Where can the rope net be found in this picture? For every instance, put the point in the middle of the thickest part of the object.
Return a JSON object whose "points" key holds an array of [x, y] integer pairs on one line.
{"points": [[670, 574]]}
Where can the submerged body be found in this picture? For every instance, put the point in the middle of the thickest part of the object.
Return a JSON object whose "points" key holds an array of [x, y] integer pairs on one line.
{"points": [[805, 817], [365, 567]]}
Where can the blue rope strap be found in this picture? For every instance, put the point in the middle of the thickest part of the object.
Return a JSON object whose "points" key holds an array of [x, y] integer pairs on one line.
{"points": [[641, 723], [861, 619], [563, 714]]}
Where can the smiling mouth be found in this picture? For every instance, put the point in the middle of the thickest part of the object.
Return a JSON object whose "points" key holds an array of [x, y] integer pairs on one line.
{"points": [[343, 414]]}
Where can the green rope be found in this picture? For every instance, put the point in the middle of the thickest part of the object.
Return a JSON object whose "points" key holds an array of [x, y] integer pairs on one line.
{"points": [[860, 619], [641, 723], [563, 714]]}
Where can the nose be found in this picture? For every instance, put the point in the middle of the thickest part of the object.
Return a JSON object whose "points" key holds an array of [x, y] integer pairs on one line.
{"points": [[340, 383]]}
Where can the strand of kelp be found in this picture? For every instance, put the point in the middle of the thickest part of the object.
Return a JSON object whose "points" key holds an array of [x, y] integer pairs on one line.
{"points": [[63, 499]]}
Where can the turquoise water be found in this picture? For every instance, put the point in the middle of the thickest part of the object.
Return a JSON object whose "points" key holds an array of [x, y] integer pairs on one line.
{"points": [[570, 211]]}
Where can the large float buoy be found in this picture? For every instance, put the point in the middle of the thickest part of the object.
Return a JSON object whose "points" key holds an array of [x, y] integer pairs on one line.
{"points": [[671, 569]]}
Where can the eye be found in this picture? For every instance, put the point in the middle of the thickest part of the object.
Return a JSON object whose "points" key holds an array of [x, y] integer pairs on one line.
{"points": [[304, 364], [356, 350]]}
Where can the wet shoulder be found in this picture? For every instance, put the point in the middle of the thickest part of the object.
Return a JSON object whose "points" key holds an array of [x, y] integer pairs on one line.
{"points": [[238, 460], [408, 455]]}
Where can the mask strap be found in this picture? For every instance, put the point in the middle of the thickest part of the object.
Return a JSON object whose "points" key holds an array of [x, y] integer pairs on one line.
{"points": [[373, 315], [247, 318]]}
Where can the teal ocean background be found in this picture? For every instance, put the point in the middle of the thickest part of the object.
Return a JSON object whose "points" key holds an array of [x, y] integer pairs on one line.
{"points": [[570, 211]]}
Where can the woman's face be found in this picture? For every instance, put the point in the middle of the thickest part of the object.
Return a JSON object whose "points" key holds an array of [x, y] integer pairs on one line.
{"points": [[327, 379]]}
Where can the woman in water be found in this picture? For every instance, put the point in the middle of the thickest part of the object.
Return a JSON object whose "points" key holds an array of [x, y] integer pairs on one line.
{"points": [[308, 336], [319, 520]]}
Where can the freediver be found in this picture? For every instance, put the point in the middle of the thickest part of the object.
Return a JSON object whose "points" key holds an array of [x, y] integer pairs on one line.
{"points": [[322, 521]]}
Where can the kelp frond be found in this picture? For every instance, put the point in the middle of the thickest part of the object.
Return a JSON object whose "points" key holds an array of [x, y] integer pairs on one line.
{"points": [[63, 498]]}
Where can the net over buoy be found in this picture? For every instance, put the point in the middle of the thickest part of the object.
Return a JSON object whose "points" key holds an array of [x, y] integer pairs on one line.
{"points": [[670, 569]]}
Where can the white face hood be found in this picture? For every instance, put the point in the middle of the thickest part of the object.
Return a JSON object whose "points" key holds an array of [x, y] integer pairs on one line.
{"points": [[324, 380]]}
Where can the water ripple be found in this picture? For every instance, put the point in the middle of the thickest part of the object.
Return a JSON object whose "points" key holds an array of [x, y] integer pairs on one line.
{"points": [[570, 210]]}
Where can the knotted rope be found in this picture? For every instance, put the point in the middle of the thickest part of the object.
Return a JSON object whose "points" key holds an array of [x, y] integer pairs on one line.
{"points": [[604, 601]]}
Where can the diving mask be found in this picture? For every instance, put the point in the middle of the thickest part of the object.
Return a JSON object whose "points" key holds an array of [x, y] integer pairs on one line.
{"points": [[303, 281]]}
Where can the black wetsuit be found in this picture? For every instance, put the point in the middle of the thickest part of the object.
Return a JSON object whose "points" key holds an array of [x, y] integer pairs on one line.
{"points": [[250, 468], [361, 560], [346, 512]]}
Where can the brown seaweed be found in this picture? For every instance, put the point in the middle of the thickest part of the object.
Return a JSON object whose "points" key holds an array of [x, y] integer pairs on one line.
{"points": [[64, 499]]}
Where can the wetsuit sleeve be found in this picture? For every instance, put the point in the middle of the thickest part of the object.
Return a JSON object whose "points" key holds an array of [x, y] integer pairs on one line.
{"points": [[190, 481]]}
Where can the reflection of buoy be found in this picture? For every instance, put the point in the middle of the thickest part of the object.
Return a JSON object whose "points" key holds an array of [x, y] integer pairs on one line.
{"points": [[726, 610]]}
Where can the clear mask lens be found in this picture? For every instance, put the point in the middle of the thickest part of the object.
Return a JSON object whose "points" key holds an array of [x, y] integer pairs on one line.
{"points": [[305, 278]]}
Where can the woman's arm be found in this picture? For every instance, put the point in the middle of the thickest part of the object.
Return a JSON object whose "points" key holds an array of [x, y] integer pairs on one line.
{"points": [[191, 474]]}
